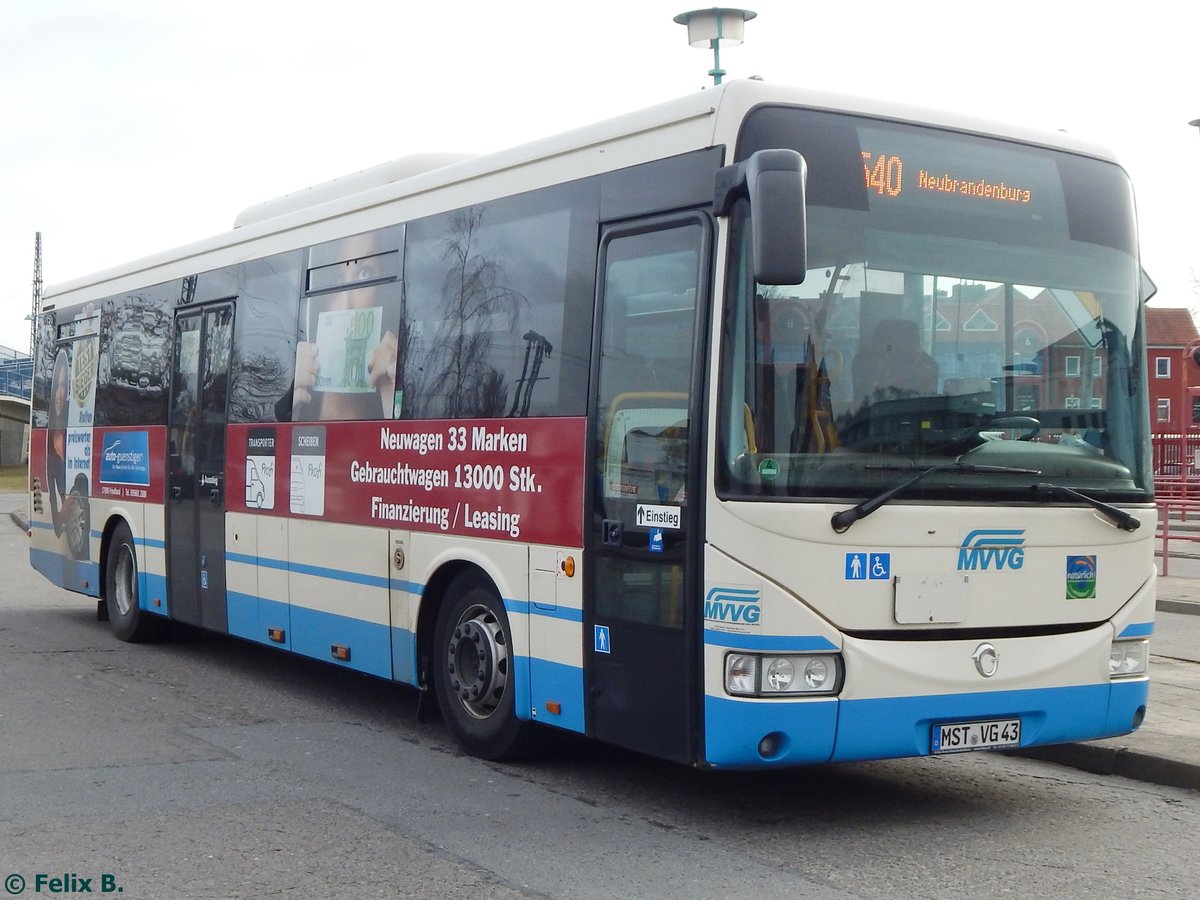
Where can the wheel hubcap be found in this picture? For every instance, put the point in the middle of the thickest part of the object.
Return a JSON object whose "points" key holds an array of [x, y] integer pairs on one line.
{"points": [[477, 660], [125, 582]]}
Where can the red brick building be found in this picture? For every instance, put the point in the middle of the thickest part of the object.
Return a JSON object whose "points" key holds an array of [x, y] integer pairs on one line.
{"points": [[1173, 377]]}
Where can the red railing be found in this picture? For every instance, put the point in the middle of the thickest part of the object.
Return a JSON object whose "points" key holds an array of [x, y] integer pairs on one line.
{"points": [[1175, 455], [1173, 515], [1181, 489]]}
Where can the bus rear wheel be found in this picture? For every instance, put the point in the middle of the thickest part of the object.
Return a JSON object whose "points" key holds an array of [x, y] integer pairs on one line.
{"points": [[128, 620], [473, 672]]}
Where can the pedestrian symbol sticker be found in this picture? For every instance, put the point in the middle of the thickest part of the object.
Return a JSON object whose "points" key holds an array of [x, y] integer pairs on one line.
{"points": [[602, 644], [864, 566]]}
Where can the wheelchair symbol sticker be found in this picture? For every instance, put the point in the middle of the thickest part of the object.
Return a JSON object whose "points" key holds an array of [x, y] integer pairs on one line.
{"points": [[862, 566]]}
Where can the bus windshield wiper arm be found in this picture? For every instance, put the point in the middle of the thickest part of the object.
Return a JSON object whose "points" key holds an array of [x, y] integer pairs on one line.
{"points": [[1120, 518], [845, 518]]}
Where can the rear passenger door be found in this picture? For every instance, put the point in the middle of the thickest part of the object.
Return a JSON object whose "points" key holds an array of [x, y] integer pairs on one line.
{"points": [[196, 465]]}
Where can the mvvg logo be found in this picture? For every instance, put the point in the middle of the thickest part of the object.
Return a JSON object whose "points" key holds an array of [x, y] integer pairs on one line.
{"points": [[732, 609], [992, 548]]}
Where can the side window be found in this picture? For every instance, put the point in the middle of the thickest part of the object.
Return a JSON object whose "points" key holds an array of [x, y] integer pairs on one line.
{"points": [[264, 344], [497, 308], [135, 352], [349, 329]]}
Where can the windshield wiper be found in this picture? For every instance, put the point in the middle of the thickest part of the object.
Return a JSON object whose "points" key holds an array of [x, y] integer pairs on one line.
{"points": [[1120, 518], [845, 518]]}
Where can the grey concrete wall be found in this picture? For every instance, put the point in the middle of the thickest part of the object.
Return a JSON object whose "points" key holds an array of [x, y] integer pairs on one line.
{"points": [[14, 431]]}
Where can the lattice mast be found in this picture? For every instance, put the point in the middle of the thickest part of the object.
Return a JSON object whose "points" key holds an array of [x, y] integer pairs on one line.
{"points": [[37, 291]]}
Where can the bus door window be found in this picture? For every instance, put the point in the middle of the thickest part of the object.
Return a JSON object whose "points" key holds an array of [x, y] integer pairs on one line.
{"points": [[185, 405], [214, 390], [645, 372]]}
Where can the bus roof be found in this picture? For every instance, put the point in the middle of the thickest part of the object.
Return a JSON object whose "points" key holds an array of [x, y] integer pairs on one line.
{"points": [[706, 118]]}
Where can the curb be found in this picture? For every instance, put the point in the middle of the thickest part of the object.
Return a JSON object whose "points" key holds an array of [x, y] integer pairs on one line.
{"points": [[1187, 607], [1120, 761]]}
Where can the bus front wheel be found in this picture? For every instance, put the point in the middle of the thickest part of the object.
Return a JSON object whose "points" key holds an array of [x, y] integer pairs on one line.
{"points": [[128, 620], [473, 671]]}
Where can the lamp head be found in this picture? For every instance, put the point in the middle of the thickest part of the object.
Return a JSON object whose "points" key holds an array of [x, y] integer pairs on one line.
{"points": [[724, 25]]}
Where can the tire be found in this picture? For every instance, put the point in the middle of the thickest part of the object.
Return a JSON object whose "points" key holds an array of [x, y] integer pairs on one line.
{"points": [[128, 620], [472, 669]]}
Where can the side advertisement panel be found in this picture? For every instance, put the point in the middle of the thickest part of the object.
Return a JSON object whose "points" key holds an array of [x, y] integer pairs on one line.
{"points": [[509, 479], [129, 464]]}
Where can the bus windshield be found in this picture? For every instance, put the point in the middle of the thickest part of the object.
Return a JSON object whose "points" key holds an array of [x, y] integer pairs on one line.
{"points": [[967, 300]]}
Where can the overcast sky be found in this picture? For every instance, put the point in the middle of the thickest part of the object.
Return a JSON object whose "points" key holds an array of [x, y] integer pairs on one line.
{"points": [[134, 126]]}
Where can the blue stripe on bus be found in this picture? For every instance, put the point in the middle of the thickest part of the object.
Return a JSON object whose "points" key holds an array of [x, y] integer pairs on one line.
{"points": [[80, 575], [99, 535], [1143, 629], [314, 631], [408, 587], [249, 617], [341, 575], [525, 608], [769, 643], [522, 607], [395, 584], [562, 684], [374, 648], [153, 587], [316, 571], [902, 726], [404, 656], [734, 728]]}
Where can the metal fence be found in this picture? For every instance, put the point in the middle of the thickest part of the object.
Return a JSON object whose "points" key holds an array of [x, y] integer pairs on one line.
{"points": [[1177, 524], [1177, 456], [16, 374]]}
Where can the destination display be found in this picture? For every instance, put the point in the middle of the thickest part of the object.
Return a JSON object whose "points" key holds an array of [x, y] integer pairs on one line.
{"points": [[884, 175], [512, 479], [983, 179]]}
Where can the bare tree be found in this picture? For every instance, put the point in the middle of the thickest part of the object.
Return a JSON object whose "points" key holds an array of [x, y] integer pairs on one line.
{"points": [[475, 302]]}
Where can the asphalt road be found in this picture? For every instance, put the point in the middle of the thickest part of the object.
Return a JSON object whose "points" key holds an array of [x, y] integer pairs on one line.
{"points": [[215, 768]]}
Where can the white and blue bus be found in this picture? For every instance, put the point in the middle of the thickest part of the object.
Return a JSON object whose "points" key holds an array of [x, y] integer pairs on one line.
{"points": [[760, 428]]}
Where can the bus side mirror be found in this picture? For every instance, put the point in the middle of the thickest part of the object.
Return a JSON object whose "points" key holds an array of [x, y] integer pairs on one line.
{"points": [[773, 181]]}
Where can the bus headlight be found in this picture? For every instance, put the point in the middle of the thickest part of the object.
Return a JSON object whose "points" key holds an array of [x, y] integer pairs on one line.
{"points": [[773, 675], [741, 674], [1128, 659]]}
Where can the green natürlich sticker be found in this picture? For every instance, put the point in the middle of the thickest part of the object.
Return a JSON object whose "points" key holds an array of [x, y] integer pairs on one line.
{"points": [[1081, 577]]}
